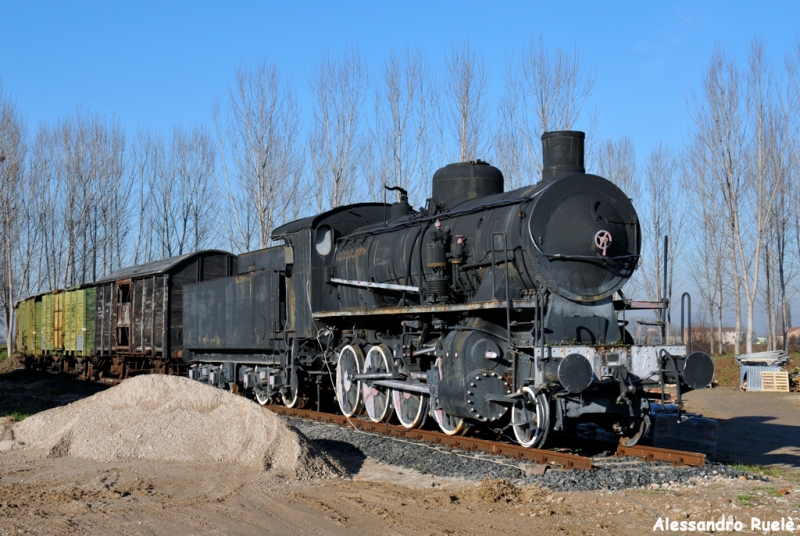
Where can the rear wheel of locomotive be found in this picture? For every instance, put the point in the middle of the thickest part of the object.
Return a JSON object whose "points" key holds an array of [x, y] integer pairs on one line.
{"points": [[377, 399], [530, 418], [348, 391], [411, 408]]}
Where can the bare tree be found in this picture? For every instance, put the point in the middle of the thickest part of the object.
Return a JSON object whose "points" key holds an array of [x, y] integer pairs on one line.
{"points": [[465, 113], [545, 91], [616, 161], [261, 160], [12, 188], [720, 132], [403, 114], [147, 160], [709, 242], [81, 168], [175, 184], [665, 218], [336, 143], [762, 190]]}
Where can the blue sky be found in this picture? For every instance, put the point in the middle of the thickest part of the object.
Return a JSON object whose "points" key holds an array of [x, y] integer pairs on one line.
{"points": [[157, 64]]}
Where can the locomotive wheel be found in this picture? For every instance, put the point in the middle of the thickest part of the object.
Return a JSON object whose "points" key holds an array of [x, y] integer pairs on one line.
{"points": [[411, 408], [377, 401], [261, 397], [449, 424], [530, 418], [348, 391], [640, 426]]}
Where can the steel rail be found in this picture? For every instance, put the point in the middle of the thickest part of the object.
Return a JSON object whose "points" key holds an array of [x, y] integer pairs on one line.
{"points": [[658, 454], [565, 460]]}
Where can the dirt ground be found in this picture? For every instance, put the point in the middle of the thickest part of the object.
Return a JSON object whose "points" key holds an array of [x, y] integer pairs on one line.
{"points": [[754, 427], [65, 495], [71, 496]]}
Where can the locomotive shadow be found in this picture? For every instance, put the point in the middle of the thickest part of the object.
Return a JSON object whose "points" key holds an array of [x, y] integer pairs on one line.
{"points": [[24, 393], [758, 440]]}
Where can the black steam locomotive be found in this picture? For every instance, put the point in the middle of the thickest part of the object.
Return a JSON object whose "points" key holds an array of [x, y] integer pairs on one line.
{"points": [[484, 307]]}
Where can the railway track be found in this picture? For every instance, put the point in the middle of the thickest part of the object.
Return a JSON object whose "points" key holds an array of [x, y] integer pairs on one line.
{"points": [[541, 456]]}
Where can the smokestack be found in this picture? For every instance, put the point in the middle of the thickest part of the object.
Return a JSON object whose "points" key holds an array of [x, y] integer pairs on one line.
{"points": [[562, 154]]}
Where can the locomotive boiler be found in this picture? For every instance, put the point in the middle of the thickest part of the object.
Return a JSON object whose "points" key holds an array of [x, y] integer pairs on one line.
{"points": [[485, 308]]}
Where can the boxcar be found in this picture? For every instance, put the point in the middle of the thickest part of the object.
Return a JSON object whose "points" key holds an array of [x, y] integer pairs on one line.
{"points": [[139, 312]]}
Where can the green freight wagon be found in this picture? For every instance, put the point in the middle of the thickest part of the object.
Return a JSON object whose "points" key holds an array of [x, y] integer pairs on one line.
{"points": [[79, 314]]}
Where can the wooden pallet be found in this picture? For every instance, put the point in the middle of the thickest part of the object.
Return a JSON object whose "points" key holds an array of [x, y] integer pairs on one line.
{"points": [[776, 382]]}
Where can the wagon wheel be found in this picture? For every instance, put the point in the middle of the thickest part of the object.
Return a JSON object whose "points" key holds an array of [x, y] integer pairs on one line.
{"points": [[530, 418], [261, 396], [449, 424], [635, 430], [376, 398], [291, 393], [411, 408], [348, 391]]}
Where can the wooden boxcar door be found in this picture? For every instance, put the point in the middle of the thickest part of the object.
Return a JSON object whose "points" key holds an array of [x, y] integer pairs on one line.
{"points": [[123, 316]]}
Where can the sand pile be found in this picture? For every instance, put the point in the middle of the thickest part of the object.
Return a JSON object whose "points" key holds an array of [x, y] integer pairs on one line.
{"points": [[174, 419]]}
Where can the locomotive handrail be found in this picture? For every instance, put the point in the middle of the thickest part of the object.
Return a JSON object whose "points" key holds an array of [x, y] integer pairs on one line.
{"points": [[450, 214], [585, 257], [371, 284]]}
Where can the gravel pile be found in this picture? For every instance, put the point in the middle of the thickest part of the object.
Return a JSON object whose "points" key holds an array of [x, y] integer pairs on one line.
{"points": [[609, 474], [174, 419]]}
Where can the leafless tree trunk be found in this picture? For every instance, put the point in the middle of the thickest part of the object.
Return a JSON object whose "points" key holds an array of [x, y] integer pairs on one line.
{"points": [[466, 116], [336, 143], [545, 91]]}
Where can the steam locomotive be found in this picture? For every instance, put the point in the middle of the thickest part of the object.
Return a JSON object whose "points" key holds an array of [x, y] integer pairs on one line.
{"points": [[485, 308]]}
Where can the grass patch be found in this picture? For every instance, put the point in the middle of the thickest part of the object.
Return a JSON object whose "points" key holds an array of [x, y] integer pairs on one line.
{"points": [[3, 354], [745, 500], [655, 491], [727, 371], [760, 469], [18, 416]]}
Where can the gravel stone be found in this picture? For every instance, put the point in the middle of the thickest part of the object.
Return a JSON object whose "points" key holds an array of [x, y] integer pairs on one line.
{"points": [[610, 473]]}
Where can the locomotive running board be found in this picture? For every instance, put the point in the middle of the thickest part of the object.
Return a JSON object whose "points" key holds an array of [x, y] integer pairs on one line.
{"points": [[416, 309]]}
